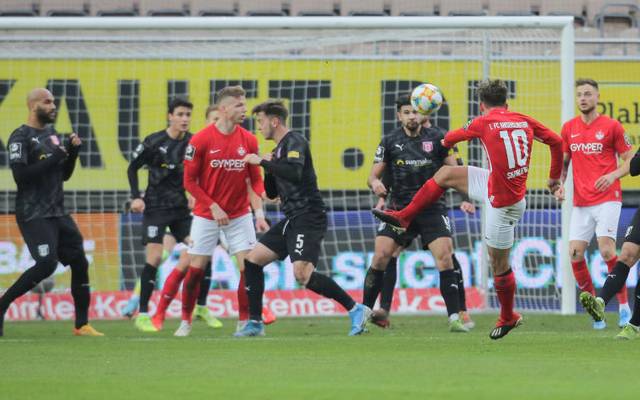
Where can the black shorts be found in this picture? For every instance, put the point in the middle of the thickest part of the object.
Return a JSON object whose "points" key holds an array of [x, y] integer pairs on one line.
{"points": [[299, 238], [633, 230], [155, 223], [430, 226], [53, 239]]}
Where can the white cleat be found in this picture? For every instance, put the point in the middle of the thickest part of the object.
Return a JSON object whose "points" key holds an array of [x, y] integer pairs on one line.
{"points": [[241, 324], [184, 329]]}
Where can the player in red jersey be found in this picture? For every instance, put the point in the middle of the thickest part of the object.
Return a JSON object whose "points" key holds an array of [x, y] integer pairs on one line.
{"points": [[507, 138], [593, 143], [215, 175]]}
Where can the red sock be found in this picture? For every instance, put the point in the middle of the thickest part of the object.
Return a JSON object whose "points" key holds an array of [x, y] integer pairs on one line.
{"points": [[190, 291], [428, 194], [622, 294], [583, 277], [243, 300], [169, 290], [506, 290]]}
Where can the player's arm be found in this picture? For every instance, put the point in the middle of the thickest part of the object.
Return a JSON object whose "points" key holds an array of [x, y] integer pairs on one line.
{"points": [[258, 212], [634, 164], [18, 160], [290, 168], [623, 148], [545, 135], [73, 149], [138, 160], [471, 130], [192, 164], [255, 177], [378, 169]]}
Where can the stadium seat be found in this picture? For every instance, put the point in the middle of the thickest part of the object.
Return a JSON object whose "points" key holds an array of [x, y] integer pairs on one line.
{"points": [[312, 8], [615, 17], [575, 8], [219, 8], [463, 7], [163, 8], [63, 8], [413, 7], [363, 8], [587, 49], [17, 8], [261, 8], [113, 8], [597, 7], [510, 8]]}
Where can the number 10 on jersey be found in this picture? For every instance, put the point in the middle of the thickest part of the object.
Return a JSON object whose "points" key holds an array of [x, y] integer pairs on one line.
{"points": [[516, 145]]}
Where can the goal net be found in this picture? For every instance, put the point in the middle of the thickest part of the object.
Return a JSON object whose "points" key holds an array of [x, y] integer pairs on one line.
{"points": [[112, 80]]}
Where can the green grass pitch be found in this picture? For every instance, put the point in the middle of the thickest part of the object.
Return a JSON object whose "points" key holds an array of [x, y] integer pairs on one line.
{"points": [[549, 357]]}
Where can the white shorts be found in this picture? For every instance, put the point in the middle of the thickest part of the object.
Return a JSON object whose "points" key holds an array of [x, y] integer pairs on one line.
{"points": [[601, 219], [500, 222], [240, 235]]}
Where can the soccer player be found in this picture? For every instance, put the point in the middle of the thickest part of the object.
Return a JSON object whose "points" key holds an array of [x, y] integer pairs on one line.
{"points": [[289, 175], [412, 154], [593, 143], [165, 203], [40, 164], [507, 138], [215, 175]]}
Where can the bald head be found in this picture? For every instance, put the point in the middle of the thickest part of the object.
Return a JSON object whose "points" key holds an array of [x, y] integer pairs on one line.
{"points": [[42, 109]]}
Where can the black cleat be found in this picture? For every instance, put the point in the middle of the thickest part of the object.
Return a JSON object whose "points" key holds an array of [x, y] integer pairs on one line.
{"points": [[390, 218], [502, 329]]}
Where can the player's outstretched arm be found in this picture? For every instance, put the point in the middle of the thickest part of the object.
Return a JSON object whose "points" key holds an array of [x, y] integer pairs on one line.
{"points": [[634, 164]]}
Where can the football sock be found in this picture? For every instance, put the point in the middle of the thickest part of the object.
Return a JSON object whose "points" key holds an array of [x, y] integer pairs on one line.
{"points": [[505, 285], [389, 284], [327, 287], [635, 318], [147, 284], [583, 277], [424, 197], [205, 286], [254, 282], [190, 291], [243, 300], [615, 282], [622, 293], [462, 296], [27, 281], [80, 290], [169, 290], [449, 291], [372, 286]]}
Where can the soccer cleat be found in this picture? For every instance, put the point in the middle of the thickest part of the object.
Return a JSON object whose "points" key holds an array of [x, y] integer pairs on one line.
{"points": [[143, 323], [267, 316], [624, 316], [391, 217], [359, 317], [599, 325], [202, 313], [629, 332], [504, 327], [250, 329], [86, 330], [183, 330], [593, 305], [131, 307], [457, 326], [241, 324], [466, 320], [158, 322], [380, 318]]}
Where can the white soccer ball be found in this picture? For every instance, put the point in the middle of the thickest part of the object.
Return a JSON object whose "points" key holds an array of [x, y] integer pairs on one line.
{"points": [[426, 98]]}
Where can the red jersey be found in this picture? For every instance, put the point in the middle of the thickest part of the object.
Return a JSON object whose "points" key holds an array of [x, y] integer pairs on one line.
{"points": [[507, 138], [214, 171], [594, 151]]}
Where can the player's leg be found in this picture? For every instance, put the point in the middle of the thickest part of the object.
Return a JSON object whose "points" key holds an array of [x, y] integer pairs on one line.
{"points": [[41, 237], [582, 228], [462, 296], [442, 250], [71, 253], [384, 248], [170, 289], [389, 281], [629, 255], [447, 177], [153, 230]]}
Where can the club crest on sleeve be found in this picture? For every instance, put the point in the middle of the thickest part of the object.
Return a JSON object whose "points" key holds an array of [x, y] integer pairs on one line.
{"points": [[293, 154], [427, 146], [190, 152], [15, 151], [138, 150]]}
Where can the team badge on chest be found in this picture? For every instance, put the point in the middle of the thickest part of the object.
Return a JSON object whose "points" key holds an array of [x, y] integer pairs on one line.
{"points": [[599, 135], [241, 151], [427, 147]]}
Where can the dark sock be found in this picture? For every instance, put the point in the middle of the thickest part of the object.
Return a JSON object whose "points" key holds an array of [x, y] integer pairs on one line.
{"points": [[80, 290], [635, 318], [372, 286], [389, 284], [27, 281], [449, 291], [147, 284], [205, 285], [462, 295], [254, 280], [615, 281], [327, 287]]}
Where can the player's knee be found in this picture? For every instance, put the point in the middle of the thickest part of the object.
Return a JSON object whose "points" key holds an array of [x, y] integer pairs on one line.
{"points": [[444, 261], [576, 254], [442, 175], [629, 255], [607, 254], [380, 260], [302, 273]]}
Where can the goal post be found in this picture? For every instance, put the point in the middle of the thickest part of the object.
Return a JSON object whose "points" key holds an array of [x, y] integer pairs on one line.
{"points": [[112, 79]]}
